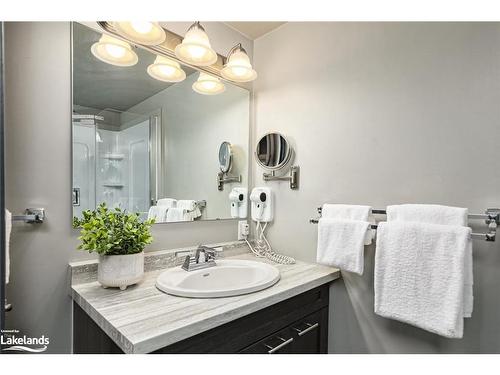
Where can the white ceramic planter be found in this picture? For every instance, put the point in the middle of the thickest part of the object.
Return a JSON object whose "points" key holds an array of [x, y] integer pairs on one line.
{"points": [[120, 270]]}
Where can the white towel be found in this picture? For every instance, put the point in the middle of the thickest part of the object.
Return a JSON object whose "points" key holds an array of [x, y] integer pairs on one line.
{"points": [[159, 213], [8, 229], [444, 215], [341, 244], [350, 212], [420, 275], [428, 213], [187, 204], [176, 214], [167, 202]]}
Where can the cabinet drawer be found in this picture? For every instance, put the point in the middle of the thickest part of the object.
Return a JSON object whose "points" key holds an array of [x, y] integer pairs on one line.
{"points": [[279, 343], [308, 333]]}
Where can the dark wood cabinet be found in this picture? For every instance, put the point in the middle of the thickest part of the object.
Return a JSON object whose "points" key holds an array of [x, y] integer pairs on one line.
{"points": [[298, 325]]}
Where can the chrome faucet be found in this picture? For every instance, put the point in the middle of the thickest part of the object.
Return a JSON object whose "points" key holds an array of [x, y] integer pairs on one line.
{"points": [[204, 257]]}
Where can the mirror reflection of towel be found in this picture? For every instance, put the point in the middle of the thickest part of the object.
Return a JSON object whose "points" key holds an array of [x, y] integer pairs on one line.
{"points": [[177, 214]]}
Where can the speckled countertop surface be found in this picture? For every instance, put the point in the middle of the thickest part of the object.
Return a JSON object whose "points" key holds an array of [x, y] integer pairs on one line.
{"points": [[143, 319]]}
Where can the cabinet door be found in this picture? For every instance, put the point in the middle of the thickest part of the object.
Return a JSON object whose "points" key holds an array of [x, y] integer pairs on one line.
{"points": [[278, 343], [309, 334]]}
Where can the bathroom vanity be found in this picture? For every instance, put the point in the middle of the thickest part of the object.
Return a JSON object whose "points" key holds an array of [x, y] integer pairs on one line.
{"points": [[289, 317]]}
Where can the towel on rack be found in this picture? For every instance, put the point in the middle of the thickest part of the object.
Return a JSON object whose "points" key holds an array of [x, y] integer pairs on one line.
{"points": [[444, 215], [191, 206], [350, 212], [342, 232], [159, 213], [177, 214], [8, 229], [420, 275], [428, 213], [167, 202], [341, 244], [187, 204]]}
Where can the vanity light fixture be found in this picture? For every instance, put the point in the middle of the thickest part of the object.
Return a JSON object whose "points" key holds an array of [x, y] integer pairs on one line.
{"points": [[142, 32], [195, 48], [208, 85], [114, 51], [238, 67], [166, 70]]}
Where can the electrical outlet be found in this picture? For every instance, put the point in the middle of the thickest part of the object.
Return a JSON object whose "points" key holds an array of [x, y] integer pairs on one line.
{"points": [[243, 230]]}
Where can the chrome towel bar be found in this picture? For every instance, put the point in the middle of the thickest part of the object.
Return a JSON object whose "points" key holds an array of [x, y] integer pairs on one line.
{"points": [[31, 216], [491, 218]]}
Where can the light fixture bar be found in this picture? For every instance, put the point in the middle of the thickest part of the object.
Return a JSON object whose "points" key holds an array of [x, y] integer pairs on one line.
{"points": [[167, 49]]}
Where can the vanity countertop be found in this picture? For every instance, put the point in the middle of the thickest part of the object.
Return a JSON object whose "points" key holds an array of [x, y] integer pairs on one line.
{"points": [[143, 319]]}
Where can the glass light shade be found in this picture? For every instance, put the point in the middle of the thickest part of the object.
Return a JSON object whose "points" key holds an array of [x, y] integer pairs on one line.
{"points": [[208, 85], [195, 48], [167, 70], [238, 67], [114, 51], [142, 32]]}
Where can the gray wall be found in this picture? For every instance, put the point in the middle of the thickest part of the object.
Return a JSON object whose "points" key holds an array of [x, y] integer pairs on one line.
{"points": [[386, 113], [38, 173]]}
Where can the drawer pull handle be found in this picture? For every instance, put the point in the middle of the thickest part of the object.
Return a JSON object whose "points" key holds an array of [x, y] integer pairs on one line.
{"points": [[283, 344], [310, 327]]}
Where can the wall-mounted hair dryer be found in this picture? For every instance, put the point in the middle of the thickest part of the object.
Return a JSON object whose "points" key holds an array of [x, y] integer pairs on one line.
{"points": [[239, 202], [262, 204]]}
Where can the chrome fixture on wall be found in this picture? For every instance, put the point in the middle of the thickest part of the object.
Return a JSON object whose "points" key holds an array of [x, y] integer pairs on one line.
{"points": [[31, 216], [273, 153], [225, 164], [491, 217]]}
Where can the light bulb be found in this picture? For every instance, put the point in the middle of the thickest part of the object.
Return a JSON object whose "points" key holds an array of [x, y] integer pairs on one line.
{"points": [[208, 85], [167, 70], [141, 32], [238, 67], [142, 27], [195, 48], [114, 51]]}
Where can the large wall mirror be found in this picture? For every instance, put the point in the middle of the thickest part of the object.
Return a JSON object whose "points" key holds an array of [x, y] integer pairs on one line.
{"points": [[143, 144]]}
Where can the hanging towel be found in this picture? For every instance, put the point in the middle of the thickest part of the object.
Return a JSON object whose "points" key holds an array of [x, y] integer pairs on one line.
{"points": [[159, 213], [8, 229], [191, 207], [176, 214], [444, 215], [342, 233], [341, 244], [420, 275], [428, 213], [350, 212], [187, 204], [167, 202]]}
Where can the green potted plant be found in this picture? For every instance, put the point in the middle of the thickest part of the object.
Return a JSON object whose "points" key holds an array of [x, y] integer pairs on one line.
{"points": [[119, 238]]}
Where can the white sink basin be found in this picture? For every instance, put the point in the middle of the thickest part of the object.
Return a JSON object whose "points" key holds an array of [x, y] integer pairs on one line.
{"points": [[227, 278]]}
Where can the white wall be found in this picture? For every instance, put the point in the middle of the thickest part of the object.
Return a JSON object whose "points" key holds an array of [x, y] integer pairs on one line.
{"points": [[385, 113], [38, 174], [193, 127]]}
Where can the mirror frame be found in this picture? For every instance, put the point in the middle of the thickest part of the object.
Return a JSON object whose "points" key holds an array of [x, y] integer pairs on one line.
{"points": [[288, 156]]}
